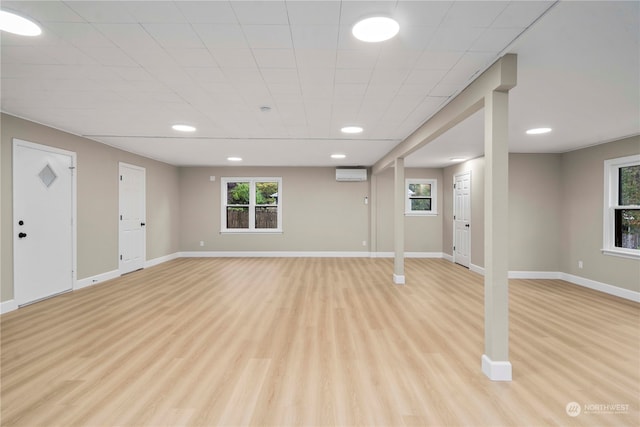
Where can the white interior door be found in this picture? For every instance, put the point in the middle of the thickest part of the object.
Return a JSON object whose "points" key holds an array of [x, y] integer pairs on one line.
{"points": [[462, 218], [43, 221], [132, 218]]}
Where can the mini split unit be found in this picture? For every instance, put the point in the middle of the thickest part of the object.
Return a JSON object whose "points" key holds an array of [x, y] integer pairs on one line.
{"points": [[351, 175]]}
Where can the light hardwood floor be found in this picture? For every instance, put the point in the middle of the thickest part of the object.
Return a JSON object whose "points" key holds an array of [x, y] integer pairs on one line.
{"points": [[300, 341]]}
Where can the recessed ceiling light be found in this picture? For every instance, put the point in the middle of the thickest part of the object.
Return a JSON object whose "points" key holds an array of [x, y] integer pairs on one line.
{"points": [[15, 24], [183, 128], [234, 159], [351, 129], [338, 156], [375, 29], [538, 131], [457, 159]]}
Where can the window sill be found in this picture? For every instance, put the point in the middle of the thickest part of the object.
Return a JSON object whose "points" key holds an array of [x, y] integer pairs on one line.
{"points": [[240, 231], [621, 253], [421, 214]]}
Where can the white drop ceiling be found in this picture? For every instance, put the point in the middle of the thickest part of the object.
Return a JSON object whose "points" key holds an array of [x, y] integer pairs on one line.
{"points": [[121, 73]]}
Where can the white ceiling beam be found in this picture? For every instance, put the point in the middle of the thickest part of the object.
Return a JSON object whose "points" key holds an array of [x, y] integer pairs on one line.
{"points": [[501, 76]]}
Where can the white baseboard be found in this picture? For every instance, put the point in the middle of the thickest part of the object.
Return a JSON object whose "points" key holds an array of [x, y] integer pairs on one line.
{"points": [[476, 269], [576, 280], [407, 254], [447, 257], [602, 287], [535, 275], [496, 371], [160, 260], [7, 306], [94, 280], [398, 279], [273, 254]]}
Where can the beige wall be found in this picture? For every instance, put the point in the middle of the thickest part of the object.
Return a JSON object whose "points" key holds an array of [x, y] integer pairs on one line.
{"points": [[422, 233], [319, 213], [535, 212], [582, 181], [476, 167], [97, 203]]}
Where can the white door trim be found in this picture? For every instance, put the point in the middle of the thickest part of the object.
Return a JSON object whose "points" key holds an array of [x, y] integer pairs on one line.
{"points": [[74, 205], [144, 208], [467, 172]]}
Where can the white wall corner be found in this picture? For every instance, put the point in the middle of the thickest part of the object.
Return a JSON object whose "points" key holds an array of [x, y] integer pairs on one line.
{"points": [[160, 260], [398, 279], [7, 306], [496, 371], [94, 280]]}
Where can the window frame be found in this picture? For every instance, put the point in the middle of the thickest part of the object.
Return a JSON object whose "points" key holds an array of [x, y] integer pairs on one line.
{"points": [[252, 205], [611, 198], [434, 197]]}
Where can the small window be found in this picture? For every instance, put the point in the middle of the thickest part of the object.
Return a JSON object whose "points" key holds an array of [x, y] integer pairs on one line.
{"points": [[622, 207], [251, 204], [421, 197]]}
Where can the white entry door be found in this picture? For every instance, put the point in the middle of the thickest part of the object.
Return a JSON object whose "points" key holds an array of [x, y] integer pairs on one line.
{"points": [[462, 218], [43, 221], [132, 218]]}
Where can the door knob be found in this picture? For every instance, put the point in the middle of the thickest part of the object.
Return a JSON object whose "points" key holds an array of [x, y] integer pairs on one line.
{"points": [[21, 222], [22, 235], [466, 225], [142, 224]]}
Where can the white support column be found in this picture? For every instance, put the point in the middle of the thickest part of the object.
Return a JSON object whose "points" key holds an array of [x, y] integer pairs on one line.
{"points": [[495, 361], [398, 221]]}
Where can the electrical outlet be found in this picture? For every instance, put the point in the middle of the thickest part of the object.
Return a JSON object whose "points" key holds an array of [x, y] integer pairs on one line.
{"points": [[364, 243], [580, 264], [201, 242]]}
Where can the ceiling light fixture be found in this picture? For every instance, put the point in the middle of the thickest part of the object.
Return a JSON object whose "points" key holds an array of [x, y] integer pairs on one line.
{"points": [[338, 156], [15, 24], [538, 131], [183, 128], [265, 108], [351, 129], [234, 159], [375, 29]]}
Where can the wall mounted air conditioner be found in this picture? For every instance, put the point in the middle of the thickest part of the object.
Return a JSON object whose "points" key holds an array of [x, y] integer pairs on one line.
{"points": [[344, 174]]}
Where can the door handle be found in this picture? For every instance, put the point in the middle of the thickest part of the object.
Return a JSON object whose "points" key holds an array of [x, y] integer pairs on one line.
{"points": [[142, 224], [466, 225], [22, 235]]}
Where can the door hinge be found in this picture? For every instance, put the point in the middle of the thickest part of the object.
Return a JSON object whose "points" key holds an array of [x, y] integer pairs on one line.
{"points": [[120, 217], [454, 248], [454, 217], [120, 257], [120, 177], [454, 186]]}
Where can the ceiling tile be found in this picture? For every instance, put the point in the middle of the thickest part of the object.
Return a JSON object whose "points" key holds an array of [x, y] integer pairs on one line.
{"points": [[221, 36], [352, 75], [78, 34], [313, 12], [425, 77], [470, 14], [268, 36], [155, 12], [208, 12], [421, 13], [103, 12], [234, 58], [495, 39], [43, 11], [261, 12], [454, 39], [192, 57], [315, 36], [315, 58], [110, 56], [275, 58], [520, 14], [356, 59], [441, 60], [127, 36], [207, 75], [280, 75], [353, 11], [174, 35]]}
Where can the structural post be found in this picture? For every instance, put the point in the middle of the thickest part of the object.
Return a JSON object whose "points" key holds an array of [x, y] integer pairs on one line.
{"points": [[398, 221], [495, 361]]}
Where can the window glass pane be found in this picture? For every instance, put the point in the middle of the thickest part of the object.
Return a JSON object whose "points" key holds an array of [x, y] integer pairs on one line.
{"points": [[628, 228], [237, 217], [266, 217], [420, 204], [237, 193], [629, 185], [266, 193], [421, 190]]}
